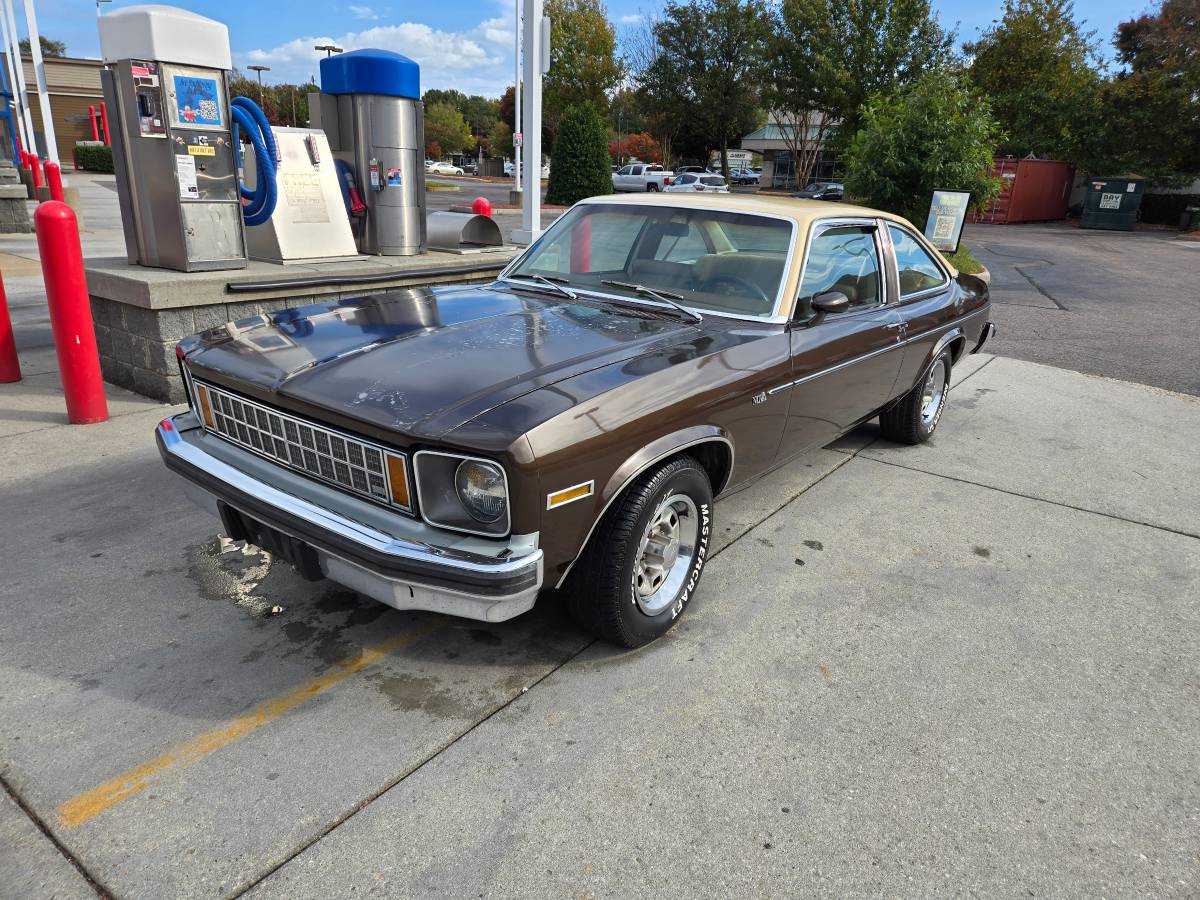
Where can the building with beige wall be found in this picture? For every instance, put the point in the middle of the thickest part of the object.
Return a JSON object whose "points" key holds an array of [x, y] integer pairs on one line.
{"points": [[73, 85]]}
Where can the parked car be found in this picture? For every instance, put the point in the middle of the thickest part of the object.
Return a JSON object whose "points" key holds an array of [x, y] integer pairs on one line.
{"points": [[444, 168], [641, 177], [821, 190], [460, 448], [696, 170], [743, 176], [509, 167], [690, 181]]}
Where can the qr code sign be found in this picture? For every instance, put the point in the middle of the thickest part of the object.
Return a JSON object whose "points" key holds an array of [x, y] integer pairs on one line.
{"points": [[208, 109]]}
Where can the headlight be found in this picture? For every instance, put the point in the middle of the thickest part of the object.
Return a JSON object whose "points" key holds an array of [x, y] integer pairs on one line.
{"points": [[461, 492], [480, 487]]}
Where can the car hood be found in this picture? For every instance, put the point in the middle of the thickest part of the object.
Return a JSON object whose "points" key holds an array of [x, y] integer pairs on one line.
{"points": [[422, 361]]}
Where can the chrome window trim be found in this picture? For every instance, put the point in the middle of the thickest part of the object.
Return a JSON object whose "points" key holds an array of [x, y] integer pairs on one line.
{"points": [[933, 255], [416, 457], [624, 484], [822, 225], [775, 318], [390, 503]]}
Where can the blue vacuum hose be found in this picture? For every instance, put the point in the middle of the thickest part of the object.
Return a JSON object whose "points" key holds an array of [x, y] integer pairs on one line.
{"points": [[247, 115]]}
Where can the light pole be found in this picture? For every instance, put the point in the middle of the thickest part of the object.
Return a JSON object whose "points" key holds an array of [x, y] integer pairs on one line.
{"points": [[98, 2], [260, 70], [329, 49]]}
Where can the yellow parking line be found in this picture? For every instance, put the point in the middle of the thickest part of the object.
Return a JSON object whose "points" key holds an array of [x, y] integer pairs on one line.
{"points": [[85, 806]]}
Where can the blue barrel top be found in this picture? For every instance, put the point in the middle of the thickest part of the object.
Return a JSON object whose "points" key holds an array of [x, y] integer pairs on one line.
{"points": [[371, 72]]}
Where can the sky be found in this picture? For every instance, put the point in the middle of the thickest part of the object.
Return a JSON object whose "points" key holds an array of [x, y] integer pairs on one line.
{"points": [[463, 44]]}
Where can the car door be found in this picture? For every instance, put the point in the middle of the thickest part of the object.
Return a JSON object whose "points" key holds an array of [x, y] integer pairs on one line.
{"points": [[621, 179], [929, 302], [844, 365]]}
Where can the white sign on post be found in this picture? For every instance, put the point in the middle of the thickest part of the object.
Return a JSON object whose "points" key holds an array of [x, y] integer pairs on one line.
{"points": [[518, 139]]}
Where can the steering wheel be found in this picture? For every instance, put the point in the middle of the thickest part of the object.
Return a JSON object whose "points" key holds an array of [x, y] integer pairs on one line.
{"points": [[714, 284]]}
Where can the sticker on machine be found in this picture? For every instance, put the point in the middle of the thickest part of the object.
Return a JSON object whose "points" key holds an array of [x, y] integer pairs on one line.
{"points": [[304, 197], [394, 177], [185, 173]]}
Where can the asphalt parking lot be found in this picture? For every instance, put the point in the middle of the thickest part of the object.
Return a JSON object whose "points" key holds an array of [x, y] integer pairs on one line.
{"points": [[969, 667]]}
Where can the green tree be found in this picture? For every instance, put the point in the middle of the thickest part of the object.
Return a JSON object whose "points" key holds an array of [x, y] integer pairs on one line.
{"points": [[583, 58], [445, 126], [579, 166], [500, 140], [50, 47], [936, 134], [1151, 117], [1039, 69], [712, 59], [829, 56]]}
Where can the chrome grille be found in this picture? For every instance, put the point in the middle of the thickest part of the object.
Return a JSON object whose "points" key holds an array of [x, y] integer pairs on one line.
{"points": [[329, 455]]}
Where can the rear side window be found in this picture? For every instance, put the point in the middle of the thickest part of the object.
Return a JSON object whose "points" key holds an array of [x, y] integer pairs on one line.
{"points": [[842, 259], [918, 271]]}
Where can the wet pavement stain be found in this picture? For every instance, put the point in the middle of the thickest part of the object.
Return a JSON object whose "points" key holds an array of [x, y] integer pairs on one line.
{"points": [[981, 551], [814, 545], [410, 693]]}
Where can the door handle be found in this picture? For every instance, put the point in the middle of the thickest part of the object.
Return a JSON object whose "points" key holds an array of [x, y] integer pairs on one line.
{"points": [[894, 325]]}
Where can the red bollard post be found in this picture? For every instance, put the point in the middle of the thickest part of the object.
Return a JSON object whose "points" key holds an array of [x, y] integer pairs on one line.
{"points": [[36, 169], [482, 207], [70, 312], [54, 180], [104, 122], [24, 159], [92, 120], [10, 366]]}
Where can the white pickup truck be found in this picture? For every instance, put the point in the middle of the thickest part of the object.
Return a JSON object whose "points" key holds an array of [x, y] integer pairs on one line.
{"points": [[640, 177]]}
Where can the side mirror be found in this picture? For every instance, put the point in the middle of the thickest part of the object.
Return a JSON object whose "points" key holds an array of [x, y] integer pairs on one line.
{"points": [[831, 302]]}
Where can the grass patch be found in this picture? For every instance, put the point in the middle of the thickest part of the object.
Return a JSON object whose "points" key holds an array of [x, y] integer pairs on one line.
{"points": [[440, 186], [964, 261]]}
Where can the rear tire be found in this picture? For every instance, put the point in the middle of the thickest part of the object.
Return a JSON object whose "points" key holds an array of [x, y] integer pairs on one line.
{"points": [[915, 416], [652, 188], [643, 563]]}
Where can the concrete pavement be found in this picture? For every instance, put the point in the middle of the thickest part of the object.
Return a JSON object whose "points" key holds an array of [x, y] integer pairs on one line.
{"points": [[959, 667]]}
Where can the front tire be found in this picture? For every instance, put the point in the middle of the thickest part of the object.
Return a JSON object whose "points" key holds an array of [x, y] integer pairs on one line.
{"points": [[915, 416], [644, 561]]}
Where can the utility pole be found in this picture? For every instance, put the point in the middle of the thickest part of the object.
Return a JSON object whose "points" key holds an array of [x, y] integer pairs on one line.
{"points": [[517, 100], [537, 61], [259, 70], [329, 49], [39, 74], [98, 2]]}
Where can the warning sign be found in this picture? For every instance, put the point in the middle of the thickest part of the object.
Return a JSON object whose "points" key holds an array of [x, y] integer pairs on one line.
{"points": [[305, 200], [185, 172], [1110, 201]]}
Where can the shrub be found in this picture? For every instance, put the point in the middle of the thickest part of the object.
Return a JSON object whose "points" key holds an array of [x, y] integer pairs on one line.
{"points": [[579, 164], [94, 157], [932, 135]]}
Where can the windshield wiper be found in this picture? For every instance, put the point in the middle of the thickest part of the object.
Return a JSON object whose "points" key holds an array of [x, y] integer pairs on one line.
{"points": [[552, 282], [662, 296]]}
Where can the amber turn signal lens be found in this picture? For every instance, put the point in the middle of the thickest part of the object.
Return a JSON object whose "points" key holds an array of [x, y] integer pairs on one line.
{"points": [[205, 406], [398, 479]]}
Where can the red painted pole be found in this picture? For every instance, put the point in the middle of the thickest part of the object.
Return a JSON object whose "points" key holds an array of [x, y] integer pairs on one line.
{"points": [[104, 122], [54, 180], [92, 119], [10, 366], [35, 167], [24, 158], [70, 312]]}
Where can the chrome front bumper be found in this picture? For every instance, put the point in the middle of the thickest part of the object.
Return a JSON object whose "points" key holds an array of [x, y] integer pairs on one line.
{"points": [[477, 579]]}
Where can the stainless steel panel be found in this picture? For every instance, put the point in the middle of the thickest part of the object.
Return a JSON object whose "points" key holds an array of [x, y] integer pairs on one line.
{"points": [[393, 121], [213, 233]]}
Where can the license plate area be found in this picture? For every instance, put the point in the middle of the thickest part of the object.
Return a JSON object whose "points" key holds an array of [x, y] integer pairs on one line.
{"points": [[241, 527]]}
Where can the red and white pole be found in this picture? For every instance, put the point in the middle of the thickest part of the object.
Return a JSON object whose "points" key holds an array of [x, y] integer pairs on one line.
{"points": [[10, 366], [54, 180], [70, 312]]}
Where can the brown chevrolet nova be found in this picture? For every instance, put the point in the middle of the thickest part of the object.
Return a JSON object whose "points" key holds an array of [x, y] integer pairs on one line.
{"points": [[461, 449]]}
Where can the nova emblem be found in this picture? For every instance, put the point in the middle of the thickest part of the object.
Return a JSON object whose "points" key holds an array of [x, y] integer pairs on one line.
{"points": [[760, 397]]}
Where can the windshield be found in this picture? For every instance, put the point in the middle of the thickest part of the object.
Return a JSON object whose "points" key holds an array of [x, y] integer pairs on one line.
{"points": [[710, 260]]}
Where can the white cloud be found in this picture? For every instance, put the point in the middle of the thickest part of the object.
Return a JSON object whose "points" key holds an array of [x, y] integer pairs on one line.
{"points": [[363, 12], [631, 19], [477, 60]]}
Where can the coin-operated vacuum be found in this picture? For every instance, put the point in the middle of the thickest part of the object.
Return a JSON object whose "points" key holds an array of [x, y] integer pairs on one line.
{"points": [[177, 152], [370, 109]]}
